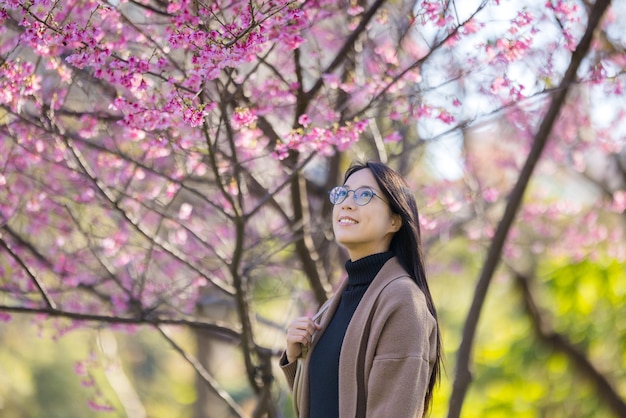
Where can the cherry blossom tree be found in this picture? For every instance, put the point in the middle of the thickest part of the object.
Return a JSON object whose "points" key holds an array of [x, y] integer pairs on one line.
{"points": [[163, 161]]}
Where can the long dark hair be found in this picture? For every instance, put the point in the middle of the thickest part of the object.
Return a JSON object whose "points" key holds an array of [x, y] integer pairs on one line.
{"points": [[406, 243]]}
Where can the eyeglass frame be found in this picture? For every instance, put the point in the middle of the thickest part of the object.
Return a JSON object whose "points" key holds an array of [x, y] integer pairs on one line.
{"points": [[354, 195]]}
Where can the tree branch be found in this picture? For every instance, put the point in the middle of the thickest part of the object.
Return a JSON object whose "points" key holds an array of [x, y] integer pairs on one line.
{"points": [[348, 44], [215, 328], [463, 377], [204, 374], [33, 276], [545, 332]]}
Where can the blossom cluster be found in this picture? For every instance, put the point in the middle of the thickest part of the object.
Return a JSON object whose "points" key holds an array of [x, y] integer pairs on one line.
{"points": [[320, 140]]}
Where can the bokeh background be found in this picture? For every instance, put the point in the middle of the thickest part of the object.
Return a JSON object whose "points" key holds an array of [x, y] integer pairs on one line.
{"points": [[164, 169]]}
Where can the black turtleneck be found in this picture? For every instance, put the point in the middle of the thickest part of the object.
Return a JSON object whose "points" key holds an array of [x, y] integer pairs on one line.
{"points": [[324, 364]]}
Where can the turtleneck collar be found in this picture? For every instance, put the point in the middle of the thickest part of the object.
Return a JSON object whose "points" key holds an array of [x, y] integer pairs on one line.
{"points": [[362, 271]]}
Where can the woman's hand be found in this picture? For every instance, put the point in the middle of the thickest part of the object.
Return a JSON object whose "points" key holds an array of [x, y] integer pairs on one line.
{"points": [[299, 334]]}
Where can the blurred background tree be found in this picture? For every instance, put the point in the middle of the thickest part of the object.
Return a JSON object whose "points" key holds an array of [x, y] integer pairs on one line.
{"points": [[163, 206]]}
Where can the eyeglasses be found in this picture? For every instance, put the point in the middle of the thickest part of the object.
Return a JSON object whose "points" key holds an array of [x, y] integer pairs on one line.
{"points": [[362, 195]]}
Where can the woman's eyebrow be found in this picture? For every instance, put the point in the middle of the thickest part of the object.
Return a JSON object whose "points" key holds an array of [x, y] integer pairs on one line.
{"points": [[362, 185]]}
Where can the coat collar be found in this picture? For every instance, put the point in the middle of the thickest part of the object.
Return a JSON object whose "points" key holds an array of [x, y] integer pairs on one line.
{"points": [[356, 331], [390, 270]]}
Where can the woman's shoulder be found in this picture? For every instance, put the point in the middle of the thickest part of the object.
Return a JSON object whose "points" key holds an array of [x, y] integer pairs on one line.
{"points": [[396, 278], [394, 286], [402, 288], [402, 292]]}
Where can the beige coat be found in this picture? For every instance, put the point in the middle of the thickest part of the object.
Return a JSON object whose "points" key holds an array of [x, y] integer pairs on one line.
{"points": [[388, 352]]}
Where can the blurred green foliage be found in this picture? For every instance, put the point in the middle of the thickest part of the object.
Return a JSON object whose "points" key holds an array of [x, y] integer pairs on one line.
{"points": [[42, 375], [516, 373]]}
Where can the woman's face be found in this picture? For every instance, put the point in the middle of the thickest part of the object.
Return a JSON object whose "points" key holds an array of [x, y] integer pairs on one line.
{"points": [[368, 229]]}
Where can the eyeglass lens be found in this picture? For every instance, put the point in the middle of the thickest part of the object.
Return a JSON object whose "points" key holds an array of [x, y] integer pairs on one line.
{"points": [[361, 196]]}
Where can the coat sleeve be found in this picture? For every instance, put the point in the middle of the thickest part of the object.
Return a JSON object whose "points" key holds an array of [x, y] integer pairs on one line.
{"points": [[289, 369], [404, 333]]}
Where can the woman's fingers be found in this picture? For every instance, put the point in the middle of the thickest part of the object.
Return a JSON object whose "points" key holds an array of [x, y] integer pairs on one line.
{"points": [[303, 324], [299, 333]]}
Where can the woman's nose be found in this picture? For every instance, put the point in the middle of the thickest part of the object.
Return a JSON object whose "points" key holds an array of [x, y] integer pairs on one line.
{"points": [[348, 202]]}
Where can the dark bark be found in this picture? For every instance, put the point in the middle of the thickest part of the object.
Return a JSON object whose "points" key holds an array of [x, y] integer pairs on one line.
{"points": [[559, 342], [463, 376]]}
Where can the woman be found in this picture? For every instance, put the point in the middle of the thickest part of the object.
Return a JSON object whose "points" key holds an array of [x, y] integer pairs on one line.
{"points": [[376, 349]]}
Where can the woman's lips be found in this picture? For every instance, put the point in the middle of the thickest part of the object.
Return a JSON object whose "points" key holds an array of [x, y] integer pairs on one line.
{"points": [[346, 220]]}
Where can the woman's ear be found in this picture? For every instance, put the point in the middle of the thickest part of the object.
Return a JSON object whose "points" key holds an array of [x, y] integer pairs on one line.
{"points": [[396, 222]]}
